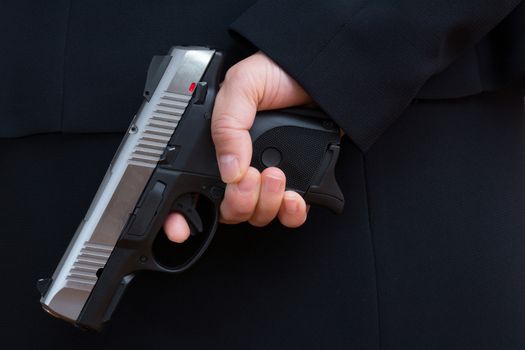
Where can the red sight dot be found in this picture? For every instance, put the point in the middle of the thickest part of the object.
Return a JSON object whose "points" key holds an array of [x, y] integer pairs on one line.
{"points": [[192, 87]]}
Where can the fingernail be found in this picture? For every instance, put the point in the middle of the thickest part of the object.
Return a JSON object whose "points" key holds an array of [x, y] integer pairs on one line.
{"points": [[290, 204], [229, 167], [272, 184]]}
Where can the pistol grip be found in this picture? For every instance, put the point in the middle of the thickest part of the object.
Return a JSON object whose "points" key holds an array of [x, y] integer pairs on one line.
{"points": [[304, 144]]}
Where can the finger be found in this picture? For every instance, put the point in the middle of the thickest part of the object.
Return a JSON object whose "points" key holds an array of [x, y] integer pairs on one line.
{"points": [[176, 228], [293, 210], [233, 115], [255, 83], [241, 198], [273, 182]]}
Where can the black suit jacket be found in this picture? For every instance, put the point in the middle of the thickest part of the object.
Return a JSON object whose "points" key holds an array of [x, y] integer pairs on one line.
{"points": [[366, 61], [428, 253]]}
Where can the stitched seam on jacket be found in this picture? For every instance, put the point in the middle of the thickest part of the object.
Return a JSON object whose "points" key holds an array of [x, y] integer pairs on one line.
{"points": [[374, 256], [481, 83], [323, 47], [66, 34]]}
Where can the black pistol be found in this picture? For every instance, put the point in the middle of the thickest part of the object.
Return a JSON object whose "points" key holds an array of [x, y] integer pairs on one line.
{"points": [[166, 162]]}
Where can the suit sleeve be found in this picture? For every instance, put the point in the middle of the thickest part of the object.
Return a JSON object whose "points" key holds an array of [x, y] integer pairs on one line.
{"points": [[363, 62]]}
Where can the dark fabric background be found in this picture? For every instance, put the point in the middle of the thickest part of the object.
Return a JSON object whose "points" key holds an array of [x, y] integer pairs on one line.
{"points": [[76, 66], [428, 254]]}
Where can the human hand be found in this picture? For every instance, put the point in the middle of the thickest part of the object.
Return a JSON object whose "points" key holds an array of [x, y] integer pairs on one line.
{"points": [[254, 84]]}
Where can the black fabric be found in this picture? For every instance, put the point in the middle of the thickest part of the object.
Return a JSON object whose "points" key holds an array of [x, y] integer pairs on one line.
{"points": [[380, 54], [428, 254], [32, 38], [77, 66], [446, 190]]}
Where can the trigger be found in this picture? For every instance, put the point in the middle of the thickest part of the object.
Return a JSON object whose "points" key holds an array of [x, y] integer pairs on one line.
{"points": [[186, 206]]}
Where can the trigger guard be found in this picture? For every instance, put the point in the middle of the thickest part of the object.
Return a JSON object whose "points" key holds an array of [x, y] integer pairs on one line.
{"points": [[185, 205]]}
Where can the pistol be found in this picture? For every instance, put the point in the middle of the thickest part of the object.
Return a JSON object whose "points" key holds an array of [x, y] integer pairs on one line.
{"points": [[166, 162]]}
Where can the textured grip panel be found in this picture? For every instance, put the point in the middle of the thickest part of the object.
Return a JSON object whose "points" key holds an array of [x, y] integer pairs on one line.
{"points": [[301, 149]]}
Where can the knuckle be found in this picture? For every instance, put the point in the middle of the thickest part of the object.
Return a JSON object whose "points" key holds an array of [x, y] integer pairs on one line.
{"points": [[244, 78], [236, 210], [242, 212], [235, 73], [228, 215], [221, 123], [224, 131], [263, 215]]}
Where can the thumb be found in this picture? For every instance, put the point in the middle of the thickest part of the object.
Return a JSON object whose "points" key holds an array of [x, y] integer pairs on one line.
{"points": [[256, 83], [233, 115]]}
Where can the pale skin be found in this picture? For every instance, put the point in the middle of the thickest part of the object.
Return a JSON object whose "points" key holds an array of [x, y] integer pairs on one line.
{"points": [[254, 84]]}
